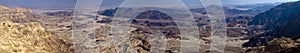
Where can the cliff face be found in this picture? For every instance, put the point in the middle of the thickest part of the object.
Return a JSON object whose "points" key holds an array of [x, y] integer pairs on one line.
{"points": [[28, 38], [282, 21], [13, 13], [283, 16], [20, 34], [18, 14], [277, 45]]}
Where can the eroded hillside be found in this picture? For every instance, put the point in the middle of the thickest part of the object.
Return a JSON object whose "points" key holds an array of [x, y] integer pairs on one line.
{"points": [[21, 34]]}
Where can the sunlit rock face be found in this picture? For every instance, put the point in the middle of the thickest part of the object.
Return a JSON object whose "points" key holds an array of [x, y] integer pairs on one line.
{"points": [[20, 34], [29, 38], [18, 14], [13, 13]]}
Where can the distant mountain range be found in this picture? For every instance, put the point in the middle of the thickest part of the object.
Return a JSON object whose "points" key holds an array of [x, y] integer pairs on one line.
{"points": [[238, 10], [250, 10], [281, 21], [61, 4]]}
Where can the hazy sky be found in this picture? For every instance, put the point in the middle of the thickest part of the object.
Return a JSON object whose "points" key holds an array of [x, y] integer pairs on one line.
{"points": [[39, 3], [253, 1], [114, 3]]}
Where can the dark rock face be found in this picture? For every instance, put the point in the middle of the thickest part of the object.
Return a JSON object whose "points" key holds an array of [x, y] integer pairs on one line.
{"points": [[282, 21], [156, 21], [277, 45], [60, 13], [108, 12], [241, 20], [258, 41], [154, 18], [277, 17], [199, 10], [105, 20]]}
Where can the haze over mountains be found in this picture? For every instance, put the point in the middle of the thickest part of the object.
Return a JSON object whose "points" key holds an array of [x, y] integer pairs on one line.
{"points": [[247, 2], [40, 4], [61, 4]]}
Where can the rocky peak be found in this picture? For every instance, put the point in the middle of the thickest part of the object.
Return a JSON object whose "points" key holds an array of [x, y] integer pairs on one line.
{"points": [[156, 21], [281, 21], [17, 14]]}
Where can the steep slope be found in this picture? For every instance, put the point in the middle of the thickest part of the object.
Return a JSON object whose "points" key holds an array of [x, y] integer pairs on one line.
{"points": [[281, 21], [19, 33], [18, 15], [277, 45], [28, 38]]}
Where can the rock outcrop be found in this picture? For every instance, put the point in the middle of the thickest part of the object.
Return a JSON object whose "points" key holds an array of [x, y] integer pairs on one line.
{"points": [[29, 38], [281, 21], [60, 13], [277, 45], [20, 33], [19, 15]]}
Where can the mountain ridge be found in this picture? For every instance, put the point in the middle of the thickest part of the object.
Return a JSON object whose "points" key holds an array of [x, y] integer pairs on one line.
{"points": [[281, 21]]}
